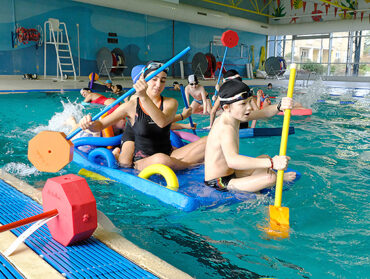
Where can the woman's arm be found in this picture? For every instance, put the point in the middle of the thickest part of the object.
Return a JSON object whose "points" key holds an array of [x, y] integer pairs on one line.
{"points": [[123, 111]]}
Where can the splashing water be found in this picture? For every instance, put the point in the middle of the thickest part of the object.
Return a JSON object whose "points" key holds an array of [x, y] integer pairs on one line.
{"points": [[314, 92], [21, 169], [59, 121]]}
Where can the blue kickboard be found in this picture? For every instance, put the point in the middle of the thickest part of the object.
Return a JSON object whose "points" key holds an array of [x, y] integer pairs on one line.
{"points": [[258, 132], [192, 194]]}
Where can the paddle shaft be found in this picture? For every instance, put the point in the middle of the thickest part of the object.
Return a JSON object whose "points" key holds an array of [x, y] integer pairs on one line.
{"points": [[187, 106], [219, 74], [284, 138], [132, 90], [28, 220]]}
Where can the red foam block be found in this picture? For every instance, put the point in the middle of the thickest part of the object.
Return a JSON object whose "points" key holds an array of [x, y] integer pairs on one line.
{"points": [[77, 215]]}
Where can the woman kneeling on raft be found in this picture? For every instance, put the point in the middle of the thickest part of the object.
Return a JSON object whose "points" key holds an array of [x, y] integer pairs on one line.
{"points": [[151, 115]]}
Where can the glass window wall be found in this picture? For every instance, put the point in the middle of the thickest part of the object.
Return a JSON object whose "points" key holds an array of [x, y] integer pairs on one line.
{"points": [[335, 54]]}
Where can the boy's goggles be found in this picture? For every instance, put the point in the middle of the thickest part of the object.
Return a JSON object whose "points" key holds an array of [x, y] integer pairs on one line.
{"points": [[241, 96]]}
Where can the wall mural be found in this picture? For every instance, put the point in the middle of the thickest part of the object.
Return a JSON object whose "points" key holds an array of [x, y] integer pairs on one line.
{"points": [[304, 11]]}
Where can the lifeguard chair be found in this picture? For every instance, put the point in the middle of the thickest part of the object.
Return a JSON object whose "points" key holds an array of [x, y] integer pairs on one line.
{"points": [[58, 36]]}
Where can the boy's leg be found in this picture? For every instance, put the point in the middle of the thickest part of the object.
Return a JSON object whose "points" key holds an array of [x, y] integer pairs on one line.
{"points": [[125, 155], [195, 106], [253, 183], [161, 158], [192, 153]]}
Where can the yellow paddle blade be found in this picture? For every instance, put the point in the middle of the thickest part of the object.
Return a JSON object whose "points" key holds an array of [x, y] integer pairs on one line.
{"points": [[92, 175], [279, 222]]}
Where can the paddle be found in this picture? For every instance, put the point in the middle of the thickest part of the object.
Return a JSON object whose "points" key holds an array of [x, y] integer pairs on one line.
{"points": [[50, 151], [187, 106], [229, 39], [279, 216]]}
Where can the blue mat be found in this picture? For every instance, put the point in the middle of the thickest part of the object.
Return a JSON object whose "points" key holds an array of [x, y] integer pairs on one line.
{"points": [[192, 193], [87, 259], [7, 270]]}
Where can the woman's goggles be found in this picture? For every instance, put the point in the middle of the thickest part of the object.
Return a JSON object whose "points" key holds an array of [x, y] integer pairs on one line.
{"points": [[155, 66]]}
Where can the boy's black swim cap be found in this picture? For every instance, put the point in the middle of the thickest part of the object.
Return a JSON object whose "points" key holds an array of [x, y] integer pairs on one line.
{"points": [[231, 89], [231, 73]]}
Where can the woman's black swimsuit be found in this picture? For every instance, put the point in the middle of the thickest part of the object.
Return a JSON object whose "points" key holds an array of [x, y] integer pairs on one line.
{"points": [[148, 136]]}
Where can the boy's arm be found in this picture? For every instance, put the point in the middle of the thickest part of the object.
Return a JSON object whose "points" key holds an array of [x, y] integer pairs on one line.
{"points": [[179, 126], [204, 99], [230, 149], [214, 109], [269, 111], [186, 112], [255, 108], [187, 94], [87, 98]]}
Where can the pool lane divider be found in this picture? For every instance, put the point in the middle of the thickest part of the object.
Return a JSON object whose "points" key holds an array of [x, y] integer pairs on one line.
{"points": [[279, 216], [51, 151]]}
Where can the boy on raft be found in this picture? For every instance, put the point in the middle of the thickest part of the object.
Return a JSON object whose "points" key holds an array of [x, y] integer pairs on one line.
{"points": [[225, 169]]}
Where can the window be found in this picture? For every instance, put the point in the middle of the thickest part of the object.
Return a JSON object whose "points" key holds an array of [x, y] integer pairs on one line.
{"points": [[338, 53]]}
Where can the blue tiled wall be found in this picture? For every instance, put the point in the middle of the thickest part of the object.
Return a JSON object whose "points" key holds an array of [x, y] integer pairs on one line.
{"points": [[142, 38]]}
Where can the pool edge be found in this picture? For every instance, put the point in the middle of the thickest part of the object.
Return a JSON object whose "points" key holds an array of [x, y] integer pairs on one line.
{"points": [[114, 241]]}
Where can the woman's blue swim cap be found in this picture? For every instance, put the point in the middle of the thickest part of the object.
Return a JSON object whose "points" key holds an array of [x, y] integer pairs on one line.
{"points": [[136, 72]]}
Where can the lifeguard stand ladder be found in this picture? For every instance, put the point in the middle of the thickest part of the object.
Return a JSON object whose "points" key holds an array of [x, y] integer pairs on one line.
{"points": [[57, 32]]}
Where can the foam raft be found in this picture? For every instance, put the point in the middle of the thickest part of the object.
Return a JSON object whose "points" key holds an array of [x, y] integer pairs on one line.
{"points": [[191, 195], [257, 132]]}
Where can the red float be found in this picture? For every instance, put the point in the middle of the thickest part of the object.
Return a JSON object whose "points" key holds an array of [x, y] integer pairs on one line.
{"points": [[230, 38], [70, 198]]}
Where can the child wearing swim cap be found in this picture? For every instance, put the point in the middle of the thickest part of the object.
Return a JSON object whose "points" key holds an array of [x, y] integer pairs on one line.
{"points": [[229, 75], [199, 94], [225, 169]]}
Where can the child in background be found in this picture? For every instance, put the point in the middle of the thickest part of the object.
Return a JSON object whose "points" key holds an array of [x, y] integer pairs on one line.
{"points": [[199, 94]]}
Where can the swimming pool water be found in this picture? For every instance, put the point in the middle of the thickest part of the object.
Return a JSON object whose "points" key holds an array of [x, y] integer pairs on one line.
{"points": [[329, 211]]}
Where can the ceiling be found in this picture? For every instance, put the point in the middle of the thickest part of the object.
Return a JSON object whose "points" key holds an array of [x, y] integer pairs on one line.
{"points": [[238, 8]]}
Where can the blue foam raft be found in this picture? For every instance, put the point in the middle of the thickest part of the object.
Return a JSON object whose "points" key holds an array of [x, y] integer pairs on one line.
{"points": [[192, 193], [257, 132]]}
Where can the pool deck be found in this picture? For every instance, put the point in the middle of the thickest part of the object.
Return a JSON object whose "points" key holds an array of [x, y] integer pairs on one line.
{"points": [[31, 265], [15, 84]]}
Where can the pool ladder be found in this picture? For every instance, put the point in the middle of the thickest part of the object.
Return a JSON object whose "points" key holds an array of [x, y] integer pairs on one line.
{"points": [[62, 48]]}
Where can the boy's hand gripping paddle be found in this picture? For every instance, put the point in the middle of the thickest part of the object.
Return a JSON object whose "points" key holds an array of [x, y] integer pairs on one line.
{"points": [[51, 151], [279, 216], [187, 106], [229, 39]]}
